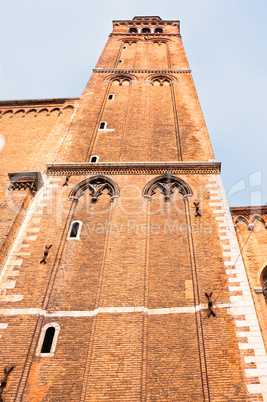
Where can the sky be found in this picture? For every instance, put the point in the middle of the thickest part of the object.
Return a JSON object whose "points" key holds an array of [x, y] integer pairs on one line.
{"points": [[48, 50]]}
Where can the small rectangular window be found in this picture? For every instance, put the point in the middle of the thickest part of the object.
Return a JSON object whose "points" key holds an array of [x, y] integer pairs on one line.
{"points": [[111, 97], [102, 125]]}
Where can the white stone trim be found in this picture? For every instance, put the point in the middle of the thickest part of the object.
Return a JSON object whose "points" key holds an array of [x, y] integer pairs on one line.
{"points": [[78, 233], [108, 310], [26, 232], [94, 156], [241, 305], [42, 336]]}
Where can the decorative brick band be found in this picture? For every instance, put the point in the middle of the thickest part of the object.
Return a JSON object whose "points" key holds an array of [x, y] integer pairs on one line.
{"points": [[139, 168], [141, 71]]}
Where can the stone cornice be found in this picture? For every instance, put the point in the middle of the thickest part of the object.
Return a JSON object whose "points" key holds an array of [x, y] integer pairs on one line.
{"points": [[132, 168], [37, 102], [25, 180], [249, 210], [160, 36], [140, 71]]}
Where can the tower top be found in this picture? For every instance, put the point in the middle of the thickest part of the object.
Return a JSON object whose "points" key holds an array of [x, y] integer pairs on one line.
{"points": [[146, 20], [140, 18]]}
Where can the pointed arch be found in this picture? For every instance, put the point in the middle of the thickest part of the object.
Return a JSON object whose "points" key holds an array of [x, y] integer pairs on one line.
{"points": [[96, 185], [241, 219], [68, 107], [31, 111], [120, 78], [166, 183], [7, 112], [161, 78], [44, 110], [130, 41], [159, 40], [19, 111], [55, 109], [257, 217]]}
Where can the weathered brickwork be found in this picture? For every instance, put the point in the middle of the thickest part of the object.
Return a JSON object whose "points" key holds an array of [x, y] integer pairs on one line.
{"points": [[131, 261], [251, 230]]}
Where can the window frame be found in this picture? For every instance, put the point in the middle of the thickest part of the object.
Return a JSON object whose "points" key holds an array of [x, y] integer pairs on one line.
{"points": [[105, 125], [78, 232], [94, 156], [54, 342], [133, 28]]}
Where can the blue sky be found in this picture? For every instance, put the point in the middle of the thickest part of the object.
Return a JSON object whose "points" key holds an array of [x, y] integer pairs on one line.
{"points": [[48, 49]]}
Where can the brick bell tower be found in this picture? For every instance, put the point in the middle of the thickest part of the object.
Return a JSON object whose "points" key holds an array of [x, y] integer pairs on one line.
{"points": [[123, 281]]}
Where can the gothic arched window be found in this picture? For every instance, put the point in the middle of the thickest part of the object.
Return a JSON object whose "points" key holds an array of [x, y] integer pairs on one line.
{"points": [[166, 184], [96, 185]]}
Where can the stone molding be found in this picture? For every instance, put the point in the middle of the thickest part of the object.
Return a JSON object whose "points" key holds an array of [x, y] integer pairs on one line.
{"points": [[166, 183], [132, 168], [140, 71], [96, 185], [144, 34], [25, 180], [249, 215]]}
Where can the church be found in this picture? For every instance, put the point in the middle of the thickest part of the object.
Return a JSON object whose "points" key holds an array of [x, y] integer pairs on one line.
{"points": [[124, 274]]}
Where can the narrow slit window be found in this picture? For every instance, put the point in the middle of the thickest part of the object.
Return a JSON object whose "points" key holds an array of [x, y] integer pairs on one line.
{"points": [[111, 97], [94, 159], [124, 47], [74, 229], [48, 340], [102, 125], [120, 61]]}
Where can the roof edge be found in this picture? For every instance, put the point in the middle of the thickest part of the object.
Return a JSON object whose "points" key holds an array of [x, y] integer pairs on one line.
{"points": [[19, 102]]}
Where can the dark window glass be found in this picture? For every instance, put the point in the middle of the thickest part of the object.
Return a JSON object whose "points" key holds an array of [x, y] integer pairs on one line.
{"points": [[133, 30], [158, 30], [74, 229], [94, 159], [102, 125], [48, 340], [110, 96]]}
